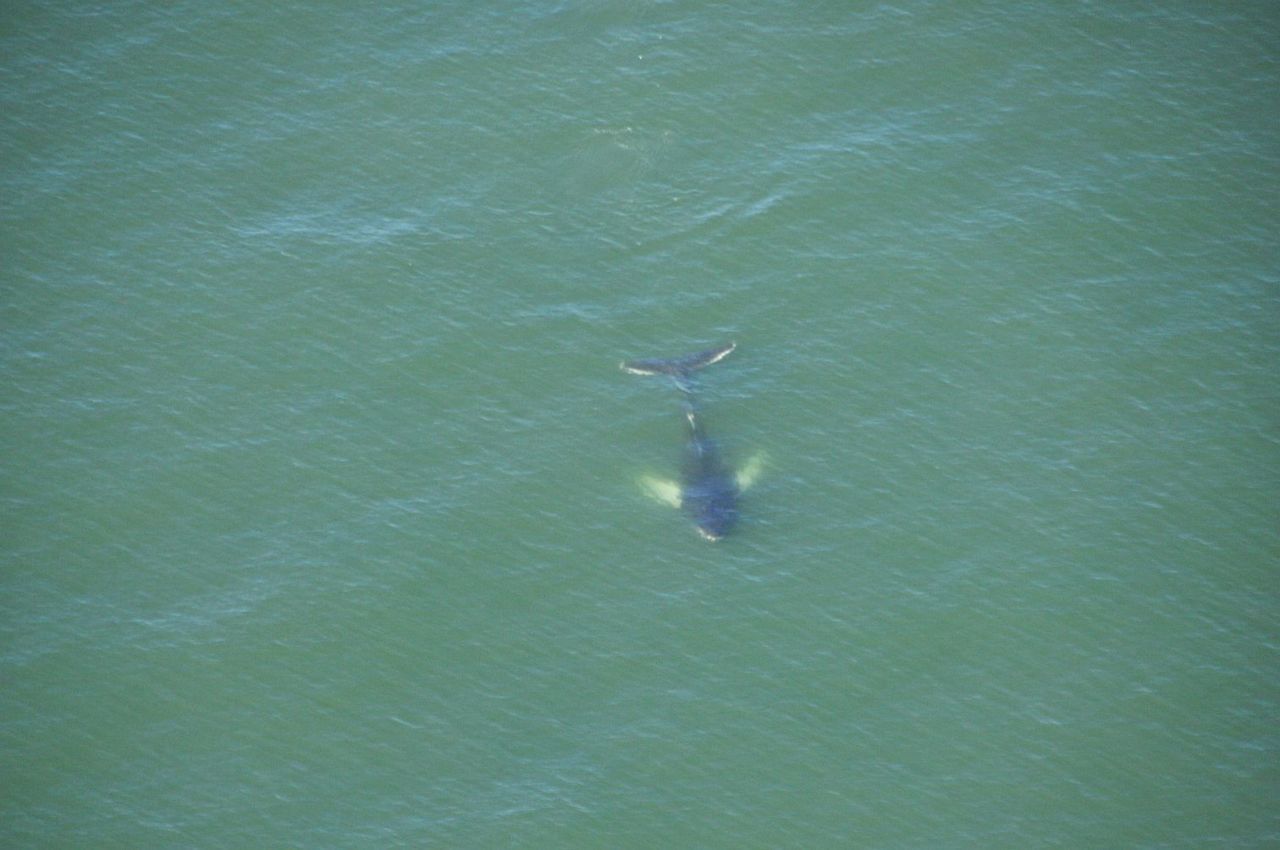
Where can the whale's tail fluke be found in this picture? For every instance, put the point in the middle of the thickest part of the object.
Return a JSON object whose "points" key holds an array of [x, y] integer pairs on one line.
{"points": [[678, 367]]}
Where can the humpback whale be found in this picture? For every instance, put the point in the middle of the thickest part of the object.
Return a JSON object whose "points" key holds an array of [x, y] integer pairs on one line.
{"points": [[707, 490]]}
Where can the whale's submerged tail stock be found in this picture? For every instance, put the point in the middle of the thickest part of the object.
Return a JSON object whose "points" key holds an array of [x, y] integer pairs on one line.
{"points": [[677, 367]]}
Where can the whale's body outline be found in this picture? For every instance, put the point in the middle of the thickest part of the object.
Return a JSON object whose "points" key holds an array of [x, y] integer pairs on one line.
{"points": [[707, 490]]}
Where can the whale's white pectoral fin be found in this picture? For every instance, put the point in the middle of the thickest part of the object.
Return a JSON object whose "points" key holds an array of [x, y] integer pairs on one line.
{"points": [[662, 489], [750, 472]]}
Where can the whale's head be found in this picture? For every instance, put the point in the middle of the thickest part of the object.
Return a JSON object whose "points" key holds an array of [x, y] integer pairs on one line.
{"points": [[710, 533], [715, 517]]}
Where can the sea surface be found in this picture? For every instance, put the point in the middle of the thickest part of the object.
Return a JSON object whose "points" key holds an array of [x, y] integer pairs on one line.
{"points": [[321, 517]]}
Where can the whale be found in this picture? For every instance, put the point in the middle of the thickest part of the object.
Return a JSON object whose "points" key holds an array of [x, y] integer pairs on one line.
{"points": [[707, 490]]}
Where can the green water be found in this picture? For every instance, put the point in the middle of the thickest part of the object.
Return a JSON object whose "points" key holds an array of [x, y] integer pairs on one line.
{"points": [[322, 525]]}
